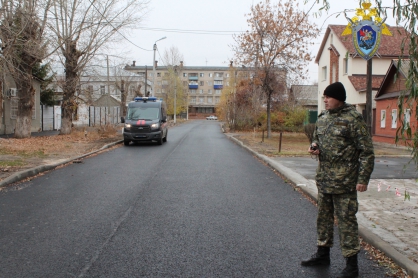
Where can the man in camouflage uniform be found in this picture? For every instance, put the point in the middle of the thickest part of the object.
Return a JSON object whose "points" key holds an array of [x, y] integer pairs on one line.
{"points": [[346, 161]]}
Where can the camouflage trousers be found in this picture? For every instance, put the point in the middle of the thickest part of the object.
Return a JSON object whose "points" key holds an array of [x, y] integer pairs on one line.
{"points": [[344, 207]]}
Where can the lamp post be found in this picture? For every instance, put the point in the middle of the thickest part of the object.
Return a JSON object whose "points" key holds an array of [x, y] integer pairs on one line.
{"points": [[153, 66], [175, 93]]}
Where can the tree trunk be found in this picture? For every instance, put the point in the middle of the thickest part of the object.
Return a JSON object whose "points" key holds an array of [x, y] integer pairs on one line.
{"points": [[69, 105], [268, 115], [122, 99], [26, 94]]}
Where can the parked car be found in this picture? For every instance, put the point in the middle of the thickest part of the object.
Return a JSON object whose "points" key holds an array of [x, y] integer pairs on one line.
{"points": [[211, 117]]}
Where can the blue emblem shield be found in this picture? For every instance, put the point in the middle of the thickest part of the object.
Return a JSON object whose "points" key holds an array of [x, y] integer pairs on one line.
{"points": [[366, 38]]}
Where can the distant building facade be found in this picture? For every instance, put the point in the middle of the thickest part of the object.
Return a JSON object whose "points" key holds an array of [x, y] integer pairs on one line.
{"points": [[203, 84]]}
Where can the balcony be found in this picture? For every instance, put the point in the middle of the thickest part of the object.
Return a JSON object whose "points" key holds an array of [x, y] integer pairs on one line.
{"points": [[193, 78], [218, 87], [193, 86]]}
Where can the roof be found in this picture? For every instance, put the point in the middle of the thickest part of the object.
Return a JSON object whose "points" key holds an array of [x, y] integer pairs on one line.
{"points": [[390, 46], [164, 68], [359, 81], [392, 70], [106, 100], [306, 94]]}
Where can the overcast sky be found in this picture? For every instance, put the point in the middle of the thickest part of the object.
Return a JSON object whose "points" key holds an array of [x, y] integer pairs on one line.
{"points": [[202, 30]]}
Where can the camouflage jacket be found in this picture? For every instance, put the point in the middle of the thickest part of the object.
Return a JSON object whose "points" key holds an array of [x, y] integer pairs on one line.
{"points": [[346, 155]]}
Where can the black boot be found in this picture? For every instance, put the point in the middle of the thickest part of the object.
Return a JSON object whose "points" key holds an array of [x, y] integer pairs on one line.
{"points": [[321, 257], [351, 269]]}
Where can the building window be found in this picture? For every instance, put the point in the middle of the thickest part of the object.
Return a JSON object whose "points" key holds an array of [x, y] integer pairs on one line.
{"points": [[345, 64], [200, 91], [165, 82], [217, 92], [394, 118], [13, 107], [382, 118], [210, 74], [201, 99], [324, 73], [185, 83], [132, 90], [202, 83], [201, 74], [210, 99], [158, 74], [102, 89], [407, 115], [193, 99], [193, 91], [210, 83], [217, 99], [218, 82], [184, 74], [210, 92], [227, 75]]}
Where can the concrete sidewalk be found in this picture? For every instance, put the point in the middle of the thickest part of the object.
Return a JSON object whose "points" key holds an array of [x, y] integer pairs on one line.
{"points": [[386, 220]]}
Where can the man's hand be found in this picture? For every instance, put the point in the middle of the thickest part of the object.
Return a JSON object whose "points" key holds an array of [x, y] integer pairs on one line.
{"points": [[314, 152], [361, 187]]}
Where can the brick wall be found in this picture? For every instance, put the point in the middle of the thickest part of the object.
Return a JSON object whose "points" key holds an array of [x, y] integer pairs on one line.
{"points": [[334, 65]]}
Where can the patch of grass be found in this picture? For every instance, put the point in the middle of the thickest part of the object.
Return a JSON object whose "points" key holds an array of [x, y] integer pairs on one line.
{"points": [[11, 163]]}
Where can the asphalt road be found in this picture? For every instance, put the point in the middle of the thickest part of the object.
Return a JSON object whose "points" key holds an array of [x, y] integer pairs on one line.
{"points": [[198, 206]]}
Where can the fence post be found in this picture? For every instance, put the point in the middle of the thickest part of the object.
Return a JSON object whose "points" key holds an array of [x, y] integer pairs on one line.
{"points": [[280, 142]]}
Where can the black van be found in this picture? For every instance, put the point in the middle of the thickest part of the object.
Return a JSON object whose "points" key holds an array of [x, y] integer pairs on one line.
{"points": [[146, 120]]}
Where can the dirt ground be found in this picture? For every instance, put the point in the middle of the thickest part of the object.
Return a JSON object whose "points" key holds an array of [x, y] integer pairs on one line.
{"points": [[20, 154]]}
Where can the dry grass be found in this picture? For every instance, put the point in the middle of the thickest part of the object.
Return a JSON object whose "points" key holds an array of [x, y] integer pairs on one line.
{"points": [[292, 144], [20, 154], [296, 144]]}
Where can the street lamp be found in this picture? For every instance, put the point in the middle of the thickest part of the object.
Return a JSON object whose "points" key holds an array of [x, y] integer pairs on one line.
{"points": [[153, 66]]}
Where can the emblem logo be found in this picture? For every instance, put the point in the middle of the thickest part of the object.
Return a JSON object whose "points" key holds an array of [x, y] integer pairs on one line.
{"points": [[366, 38]]}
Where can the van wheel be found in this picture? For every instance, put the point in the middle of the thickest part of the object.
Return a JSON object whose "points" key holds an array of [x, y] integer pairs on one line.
{"points": [[165, 138], [126, 142], [160, 141]]}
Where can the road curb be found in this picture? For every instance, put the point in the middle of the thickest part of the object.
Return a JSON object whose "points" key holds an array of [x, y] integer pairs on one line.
{"points": [[368, 236], [16, 177]]}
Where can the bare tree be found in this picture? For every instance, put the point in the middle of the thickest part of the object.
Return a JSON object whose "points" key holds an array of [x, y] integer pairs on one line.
{"points": [[22, 26], [123, 80], [176, 96], [276, 46], [82, 27]]}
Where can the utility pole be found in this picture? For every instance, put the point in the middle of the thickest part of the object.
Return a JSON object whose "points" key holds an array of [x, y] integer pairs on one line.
{"points": [[369, 96], [145, 80], [108, 82], [153, 66], [175, 93]]}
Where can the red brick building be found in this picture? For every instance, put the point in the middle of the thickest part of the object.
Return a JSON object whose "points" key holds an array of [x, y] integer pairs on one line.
{"points": [[387, 119]]}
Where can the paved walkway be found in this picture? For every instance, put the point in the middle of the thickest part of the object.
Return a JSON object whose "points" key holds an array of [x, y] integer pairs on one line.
{"points": [[386, 219]]}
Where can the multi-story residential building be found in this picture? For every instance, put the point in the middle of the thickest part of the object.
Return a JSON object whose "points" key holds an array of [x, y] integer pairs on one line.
{"points": [[337, 60], [204, 84]]}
